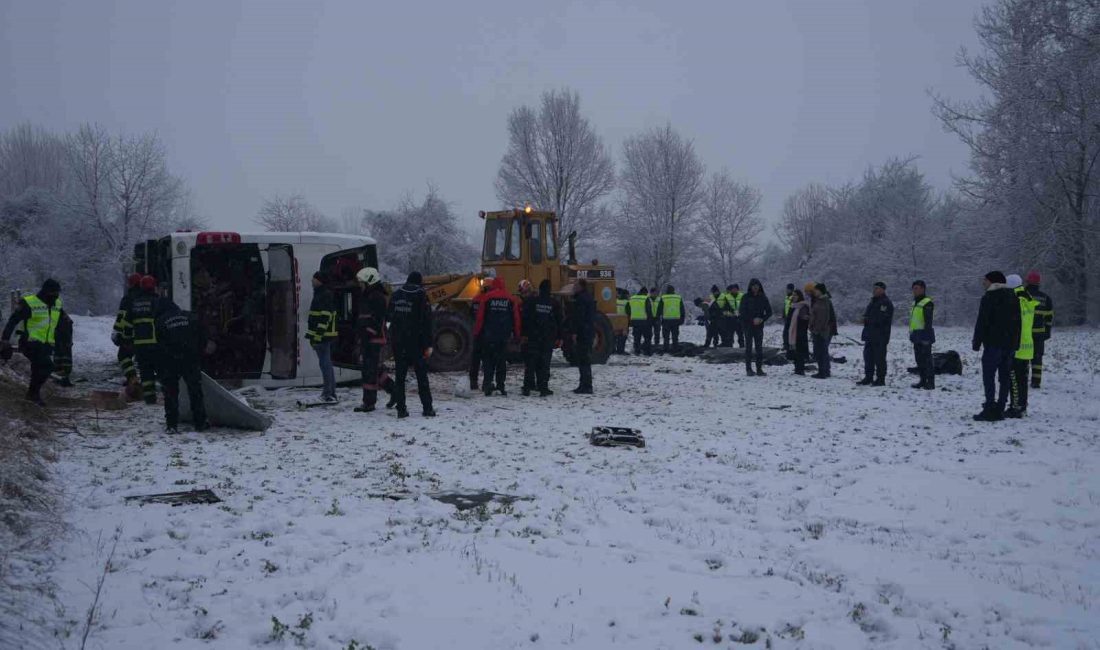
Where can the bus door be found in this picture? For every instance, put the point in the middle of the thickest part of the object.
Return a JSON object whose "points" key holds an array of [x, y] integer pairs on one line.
{"points": [[282, 311], [341, 268]]}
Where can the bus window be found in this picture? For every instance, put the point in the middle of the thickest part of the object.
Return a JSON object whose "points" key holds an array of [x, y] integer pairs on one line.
{"points": [[282, 312], [496, 239], [534, 241]]}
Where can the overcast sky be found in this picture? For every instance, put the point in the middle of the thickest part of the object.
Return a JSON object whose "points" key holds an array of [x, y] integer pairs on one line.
{"points": [[355, 103]]}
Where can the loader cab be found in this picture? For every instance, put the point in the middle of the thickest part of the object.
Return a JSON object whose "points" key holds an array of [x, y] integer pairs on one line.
{"points": [[521, 244]]}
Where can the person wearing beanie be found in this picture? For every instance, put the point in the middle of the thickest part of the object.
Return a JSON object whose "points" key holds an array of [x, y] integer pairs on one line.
{"points": [[640, 311], [39, 313], [755, 310], [997, 335], [1042, 327], [878, 320], [922, 334], [787, 300], [321, 333], [410, 321], [123, 335], [671, 311]]}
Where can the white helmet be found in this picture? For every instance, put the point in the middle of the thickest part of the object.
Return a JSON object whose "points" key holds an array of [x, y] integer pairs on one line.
{"points": [[368, 275], [1013, 281]]}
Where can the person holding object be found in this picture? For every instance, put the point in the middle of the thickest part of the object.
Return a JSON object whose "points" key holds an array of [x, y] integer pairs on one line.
{"points": [[877, 320], [755, 310], [997, 335], [410, 321], [39, 314]]}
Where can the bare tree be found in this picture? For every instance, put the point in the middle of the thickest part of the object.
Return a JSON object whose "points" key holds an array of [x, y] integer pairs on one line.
{"points": [[555, 161], [662, 189], [729, 223], [802, 222], [292, 213], [421, 236], [31, 157]]}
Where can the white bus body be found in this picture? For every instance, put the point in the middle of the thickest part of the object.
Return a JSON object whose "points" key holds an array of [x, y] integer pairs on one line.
{"points": [[252, 292]]}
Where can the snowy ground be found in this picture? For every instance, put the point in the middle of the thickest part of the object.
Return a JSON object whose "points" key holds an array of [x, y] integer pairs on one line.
{"points": [[782, 511]]}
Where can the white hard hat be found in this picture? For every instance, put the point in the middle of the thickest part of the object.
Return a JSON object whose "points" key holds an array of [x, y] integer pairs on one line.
{"points": [[368, 275], [1014, 281]]}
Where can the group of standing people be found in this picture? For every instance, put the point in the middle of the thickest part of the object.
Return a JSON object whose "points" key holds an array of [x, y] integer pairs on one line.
{"points": [[654, 318]]}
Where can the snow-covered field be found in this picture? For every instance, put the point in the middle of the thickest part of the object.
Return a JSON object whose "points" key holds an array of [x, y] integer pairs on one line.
{"points": [[780, 512]]}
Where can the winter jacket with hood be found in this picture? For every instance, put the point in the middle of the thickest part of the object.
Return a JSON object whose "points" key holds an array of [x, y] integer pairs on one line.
{"points": [[542, 318], [878, 319], [998, 324], [410, 317], [755, 306], [498, 315], [822, 321]]}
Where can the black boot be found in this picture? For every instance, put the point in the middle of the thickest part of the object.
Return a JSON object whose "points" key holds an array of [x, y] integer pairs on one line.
{"points": [[866, 381], [760, 370], [748, 371], [428, 412], [879, 382]]}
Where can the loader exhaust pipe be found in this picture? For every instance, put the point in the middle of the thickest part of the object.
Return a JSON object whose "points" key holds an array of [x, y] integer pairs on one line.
{"points": [[572, 248]]}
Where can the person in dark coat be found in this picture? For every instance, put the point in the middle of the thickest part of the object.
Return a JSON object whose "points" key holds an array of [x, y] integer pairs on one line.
{"points": [[498, 322], [181, 343], [797, 333], [788, 300], [410, 321], [822, 327], [1042, 328], [143, 311], [922, 333], [39, 314], [475, 348], [123, 334], [321, 333], [756, 309], [997, 334], [63, 351], [541, 334], [714, 318], [878, 319], [583, 329], [371, 327]]}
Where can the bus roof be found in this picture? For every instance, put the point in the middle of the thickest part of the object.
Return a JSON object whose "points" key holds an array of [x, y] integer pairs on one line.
{"points": [[340, 239]]}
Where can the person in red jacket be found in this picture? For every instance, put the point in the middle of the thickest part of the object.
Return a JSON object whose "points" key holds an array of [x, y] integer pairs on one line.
{"points": [[498, 322]]}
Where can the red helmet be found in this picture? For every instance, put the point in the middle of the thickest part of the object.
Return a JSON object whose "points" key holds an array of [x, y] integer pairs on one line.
{"points": [[1034, 278], [133, 280], [148, 283]]}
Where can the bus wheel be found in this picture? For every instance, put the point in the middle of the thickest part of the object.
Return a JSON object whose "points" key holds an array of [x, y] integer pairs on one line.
{"points": [[452, 342]]}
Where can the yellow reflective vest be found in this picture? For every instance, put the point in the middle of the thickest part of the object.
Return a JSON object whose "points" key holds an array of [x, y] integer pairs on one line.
{"points": [[1026, 351], [42, 325]]}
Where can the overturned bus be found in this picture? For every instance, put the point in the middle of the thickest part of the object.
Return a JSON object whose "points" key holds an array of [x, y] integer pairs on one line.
{"points": [[252, 291]]}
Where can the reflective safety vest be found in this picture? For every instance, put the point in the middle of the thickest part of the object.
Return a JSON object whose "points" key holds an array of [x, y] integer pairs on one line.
{"points": [[727, 303], [672, 305], [787, 306], [620, 305], [916, 314], [1026, 351], [737, 298], [42, 325], [320, 326], [637, 307]]}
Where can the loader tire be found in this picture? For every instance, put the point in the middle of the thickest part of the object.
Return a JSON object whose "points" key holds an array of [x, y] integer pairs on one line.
{"points": [[452, 342], [602, 342]]}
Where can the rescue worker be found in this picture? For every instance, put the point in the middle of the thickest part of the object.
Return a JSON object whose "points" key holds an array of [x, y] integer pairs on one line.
{"points": [[498, 322], [922, 334], [541, 334], [410, 321], [123, 335], [788, 300], [754, 309], [878, 319], [583, 328], [655, 320], [727, 316], [526, 290], [622, 303], [475, 348], [38, 315], [1024, 354], [181, 344], [641, 318], [142, 318], [714, 318], [672, 313], [1044, 326], [63, 351], [822, 327], [737, 324], [704, 319], [321, 333], [371, 326], [997, 335], [797, 333]]}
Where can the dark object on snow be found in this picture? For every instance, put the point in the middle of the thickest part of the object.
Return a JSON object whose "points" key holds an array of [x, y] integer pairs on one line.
{"points": [[468, 500], [177, 498], [772, 356], [224, 409], [616, 437], [687, 350], [840, 359], [944, 363], [310, 405]]}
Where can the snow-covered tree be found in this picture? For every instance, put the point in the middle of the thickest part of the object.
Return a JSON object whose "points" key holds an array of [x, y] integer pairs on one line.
{"points": [[555, 161], [421, 236], [292, 213], [728, 224]]}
